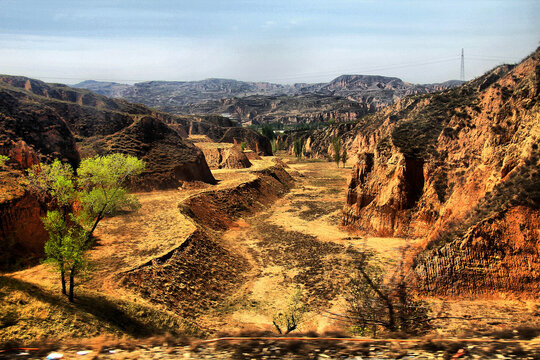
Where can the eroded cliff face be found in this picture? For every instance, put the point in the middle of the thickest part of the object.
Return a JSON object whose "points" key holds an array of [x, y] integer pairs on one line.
{"points": [[436, 166], [437, 156], [501, 253], [22, 235], [381, 194]]}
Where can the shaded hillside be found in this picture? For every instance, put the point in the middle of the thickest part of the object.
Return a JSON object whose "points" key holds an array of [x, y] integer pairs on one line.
{"points": [[439, 166], [259, 109], [40, 122], [169, 159], [345, 98], [59, 122]]}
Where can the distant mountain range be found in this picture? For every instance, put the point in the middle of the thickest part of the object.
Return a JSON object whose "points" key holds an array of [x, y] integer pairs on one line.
{"points": [[346, 97]]}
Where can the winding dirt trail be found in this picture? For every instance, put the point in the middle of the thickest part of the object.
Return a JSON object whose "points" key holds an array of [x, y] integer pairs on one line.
{"points": [[296, 243]]}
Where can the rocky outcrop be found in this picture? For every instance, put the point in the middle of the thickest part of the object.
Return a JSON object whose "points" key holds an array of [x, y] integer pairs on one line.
{"points": [[381, 194], [224, 156], [21, 155]]}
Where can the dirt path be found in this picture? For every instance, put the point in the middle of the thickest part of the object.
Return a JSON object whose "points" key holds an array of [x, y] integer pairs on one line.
{"points": [[296, 243]]}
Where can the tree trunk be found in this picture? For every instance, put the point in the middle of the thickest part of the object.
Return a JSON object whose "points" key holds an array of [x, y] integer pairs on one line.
{"points": [[63, 279], [71, 284]]}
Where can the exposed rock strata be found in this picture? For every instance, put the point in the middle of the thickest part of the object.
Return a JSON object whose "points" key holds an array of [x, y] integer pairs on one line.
{"points": [[500, 253], [433, 166]]}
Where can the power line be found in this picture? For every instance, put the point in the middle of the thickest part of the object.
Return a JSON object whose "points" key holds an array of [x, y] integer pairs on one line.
{"points": [[366, 70], [327, 73], [295, 76]]}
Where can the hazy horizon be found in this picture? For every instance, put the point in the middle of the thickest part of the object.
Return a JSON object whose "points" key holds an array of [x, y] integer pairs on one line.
{"points": [[279, 42]]}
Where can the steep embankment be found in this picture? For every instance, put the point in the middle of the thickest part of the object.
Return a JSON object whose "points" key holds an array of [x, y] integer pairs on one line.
{"points": [[197, 274], [443, 167], [155, 269], [22, 235]]}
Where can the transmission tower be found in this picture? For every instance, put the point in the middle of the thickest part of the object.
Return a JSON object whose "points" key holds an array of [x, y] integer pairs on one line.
{"points": [[462, 72]]}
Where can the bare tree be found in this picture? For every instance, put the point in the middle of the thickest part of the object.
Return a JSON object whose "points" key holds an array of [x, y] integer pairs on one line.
{"points": [[377, 301]]}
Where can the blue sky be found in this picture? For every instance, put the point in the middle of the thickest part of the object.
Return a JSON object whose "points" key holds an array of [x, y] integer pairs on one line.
{"points": [[278, 41]]}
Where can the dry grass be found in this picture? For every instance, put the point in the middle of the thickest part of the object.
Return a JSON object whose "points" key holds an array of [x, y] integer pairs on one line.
{"points": [[295, 242], [29, 297], [33, 314]]}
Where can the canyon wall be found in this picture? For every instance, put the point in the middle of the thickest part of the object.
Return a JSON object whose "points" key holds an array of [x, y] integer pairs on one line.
{"points": [[437, 166]]}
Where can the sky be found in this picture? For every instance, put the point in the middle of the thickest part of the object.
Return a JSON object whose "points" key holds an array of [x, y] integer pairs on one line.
{"points": [[278, 41]]}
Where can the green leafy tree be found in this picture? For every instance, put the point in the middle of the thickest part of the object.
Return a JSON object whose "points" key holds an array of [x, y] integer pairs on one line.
{"points": [[3, 160], [243, 145], [55, 183], [344, 156], [65, 247], [101, 180], [268, 131], [298, 147], [98, 192], [336, 144]]}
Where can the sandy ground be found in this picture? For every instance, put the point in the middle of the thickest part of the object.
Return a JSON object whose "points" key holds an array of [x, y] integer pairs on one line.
{"points": [[296, 244]]}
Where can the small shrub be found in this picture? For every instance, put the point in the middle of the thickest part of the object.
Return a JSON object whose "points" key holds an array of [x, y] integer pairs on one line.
{"points": [[293, 316]]}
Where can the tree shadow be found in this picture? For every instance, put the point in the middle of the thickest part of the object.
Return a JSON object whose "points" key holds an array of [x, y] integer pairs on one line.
{"points": [[102, 308]]}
